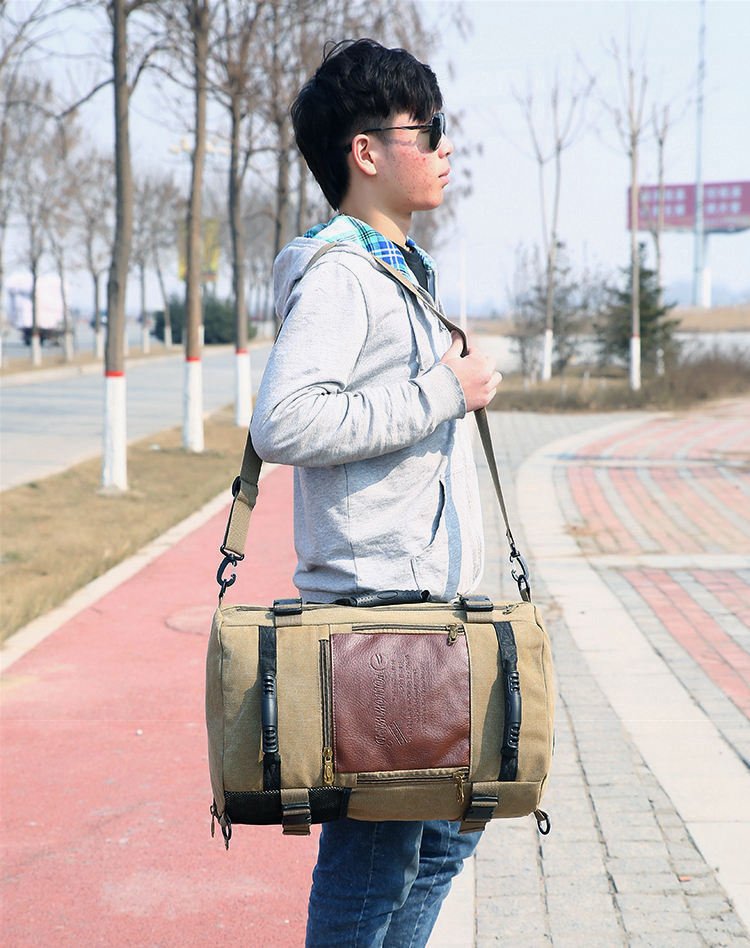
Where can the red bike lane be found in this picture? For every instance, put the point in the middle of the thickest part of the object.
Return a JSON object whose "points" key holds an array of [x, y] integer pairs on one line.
{"points": [[105, 780]]}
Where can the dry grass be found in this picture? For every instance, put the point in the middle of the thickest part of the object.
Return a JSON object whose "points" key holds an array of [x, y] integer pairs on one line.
{"points": [[59, 533], [699, 379], [717, 319], [692, 319]]}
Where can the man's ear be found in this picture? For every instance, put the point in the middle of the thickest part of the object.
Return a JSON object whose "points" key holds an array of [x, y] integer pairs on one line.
{"points": [[363, 156]]}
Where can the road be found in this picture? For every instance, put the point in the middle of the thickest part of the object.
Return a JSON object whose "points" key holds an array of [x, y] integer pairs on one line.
{"points": [[50, 424]]}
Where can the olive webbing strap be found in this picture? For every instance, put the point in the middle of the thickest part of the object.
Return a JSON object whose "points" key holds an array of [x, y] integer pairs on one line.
{"points": [[245, 487]]}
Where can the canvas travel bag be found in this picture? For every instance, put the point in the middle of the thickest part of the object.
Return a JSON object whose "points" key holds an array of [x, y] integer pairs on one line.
{"points": [[385, 706]]}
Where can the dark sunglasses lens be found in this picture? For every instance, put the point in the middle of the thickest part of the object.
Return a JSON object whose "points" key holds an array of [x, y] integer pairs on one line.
{"points": [[437, 130]]}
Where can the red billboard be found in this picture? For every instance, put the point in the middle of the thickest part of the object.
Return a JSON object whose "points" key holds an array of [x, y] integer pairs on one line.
{"points": [[726, 206]]}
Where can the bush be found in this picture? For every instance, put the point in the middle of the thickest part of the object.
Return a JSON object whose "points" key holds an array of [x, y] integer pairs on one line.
{"points": [[218, 320], [614, 325]]}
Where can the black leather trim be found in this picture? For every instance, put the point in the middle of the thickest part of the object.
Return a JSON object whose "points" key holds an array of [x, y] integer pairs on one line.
{"points": [[263, 807]]}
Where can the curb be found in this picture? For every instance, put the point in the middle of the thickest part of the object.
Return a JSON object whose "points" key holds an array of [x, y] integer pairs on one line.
{"points": [[706, 782], [29, 636], [56, 372]]}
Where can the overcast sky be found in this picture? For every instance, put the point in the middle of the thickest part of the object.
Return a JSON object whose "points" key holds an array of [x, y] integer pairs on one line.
{"points": [[515, 43]]}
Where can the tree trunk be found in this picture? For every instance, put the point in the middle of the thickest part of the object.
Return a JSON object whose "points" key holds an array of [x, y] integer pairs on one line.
{"points": [[36, 343], [3, 315], [301, 196], [243, 382], [549, 327], [281, 224], [165, 298], [114, 462], [635, 267], [97, 321], [67, 328], [192, 432], [145, 324]]}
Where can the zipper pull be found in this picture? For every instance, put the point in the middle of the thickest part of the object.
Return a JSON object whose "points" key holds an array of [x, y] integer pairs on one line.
{"points": [[459, 778], [328, 766], [453, 633]]}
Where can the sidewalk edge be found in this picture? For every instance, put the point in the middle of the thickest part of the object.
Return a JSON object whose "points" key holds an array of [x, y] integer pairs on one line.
{"points": [[669, 730]]}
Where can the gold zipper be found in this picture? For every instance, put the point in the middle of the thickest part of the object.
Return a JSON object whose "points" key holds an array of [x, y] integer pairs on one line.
{"points": [[325, 692], [328, 766], [458, 777]]}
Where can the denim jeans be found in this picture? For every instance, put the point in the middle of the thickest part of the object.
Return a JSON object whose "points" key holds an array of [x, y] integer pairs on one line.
{"points": [[382, 884]]}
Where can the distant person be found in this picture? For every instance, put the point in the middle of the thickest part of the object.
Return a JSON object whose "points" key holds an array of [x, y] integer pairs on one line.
{"points": [[365, 394]]}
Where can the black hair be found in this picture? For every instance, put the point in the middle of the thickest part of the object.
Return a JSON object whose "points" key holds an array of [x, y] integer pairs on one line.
{"points": [[359, 84]]}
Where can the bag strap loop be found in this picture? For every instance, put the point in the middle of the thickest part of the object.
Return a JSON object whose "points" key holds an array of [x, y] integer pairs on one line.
{"points": [[245, 487]]}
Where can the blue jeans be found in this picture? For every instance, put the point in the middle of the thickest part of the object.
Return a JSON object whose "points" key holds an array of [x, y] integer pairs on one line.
{"points": [[382, 884]]}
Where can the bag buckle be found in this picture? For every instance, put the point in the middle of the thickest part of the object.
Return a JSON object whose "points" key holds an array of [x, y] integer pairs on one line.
{"points": [[476, 603], [521, 576], [230, 559], [287, 607]]}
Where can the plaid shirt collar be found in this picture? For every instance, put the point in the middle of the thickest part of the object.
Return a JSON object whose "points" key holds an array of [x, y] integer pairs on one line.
{"points": [[350, 230]]}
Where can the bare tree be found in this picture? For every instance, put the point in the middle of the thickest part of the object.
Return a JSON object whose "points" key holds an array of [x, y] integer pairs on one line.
{"points": [[234, 79], [33, 188], [125, 76], [18, 37], [94, 204], [60, 220], [166, 205], [565, 114], [199, 20], [628, 117]]}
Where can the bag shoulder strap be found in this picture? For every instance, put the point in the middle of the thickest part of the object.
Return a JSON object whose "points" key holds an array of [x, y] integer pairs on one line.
{"points": [[245, 487]]}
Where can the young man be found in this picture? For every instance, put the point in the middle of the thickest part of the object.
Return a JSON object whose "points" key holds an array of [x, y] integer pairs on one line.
{"points": [[365, 393]]}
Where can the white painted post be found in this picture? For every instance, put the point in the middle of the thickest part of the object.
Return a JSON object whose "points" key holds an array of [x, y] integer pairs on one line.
{"points": [[114, 462], [146, 336], [243, 398], [705, 275], [547, 356], [192, 431], [36, 350], [635, 363]]}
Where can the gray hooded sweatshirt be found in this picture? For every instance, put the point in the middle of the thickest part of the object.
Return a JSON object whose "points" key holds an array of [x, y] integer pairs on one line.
{"points": [[355, 397]]}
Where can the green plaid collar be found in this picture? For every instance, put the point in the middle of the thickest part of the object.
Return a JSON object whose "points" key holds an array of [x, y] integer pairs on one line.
{"points": [[343, 228]]}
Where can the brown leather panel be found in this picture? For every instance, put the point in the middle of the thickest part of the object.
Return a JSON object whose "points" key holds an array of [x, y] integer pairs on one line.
{"points": [[400, 702]]}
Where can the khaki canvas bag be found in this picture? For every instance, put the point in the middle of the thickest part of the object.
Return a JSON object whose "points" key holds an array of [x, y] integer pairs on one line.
{"points": [[385, 707]]}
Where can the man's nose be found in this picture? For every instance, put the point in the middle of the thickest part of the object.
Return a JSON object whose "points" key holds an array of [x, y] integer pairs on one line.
{"points": [[445, 147]]}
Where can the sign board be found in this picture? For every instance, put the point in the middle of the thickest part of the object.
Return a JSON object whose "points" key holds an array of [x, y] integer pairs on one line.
{"points": [[726, 207]]}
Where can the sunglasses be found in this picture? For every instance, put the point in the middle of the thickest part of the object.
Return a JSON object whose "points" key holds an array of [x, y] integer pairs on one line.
{"points": [[436, 128]]}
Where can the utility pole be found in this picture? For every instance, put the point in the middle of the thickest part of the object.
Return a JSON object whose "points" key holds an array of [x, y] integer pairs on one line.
{"points": [[699, 239]]}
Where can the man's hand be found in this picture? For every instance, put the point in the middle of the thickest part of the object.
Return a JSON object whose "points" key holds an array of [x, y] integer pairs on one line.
{"points": [[475, 372]]}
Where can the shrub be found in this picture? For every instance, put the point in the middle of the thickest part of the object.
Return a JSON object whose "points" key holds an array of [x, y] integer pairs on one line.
{"points": [[218, 320]]}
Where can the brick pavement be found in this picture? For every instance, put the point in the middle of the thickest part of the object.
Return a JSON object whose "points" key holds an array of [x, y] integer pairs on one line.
{"points": [[118, 847], [620, 867]]}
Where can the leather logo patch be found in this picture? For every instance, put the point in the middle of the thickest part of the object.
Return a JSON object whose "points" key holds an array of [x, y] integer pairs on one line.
{"points": [[400, 701]]}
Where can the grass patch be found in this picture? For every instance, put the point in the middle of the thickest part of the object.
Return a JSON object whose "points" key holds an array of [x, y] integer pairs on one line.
{"points": [[59, 533], [690, 382]]}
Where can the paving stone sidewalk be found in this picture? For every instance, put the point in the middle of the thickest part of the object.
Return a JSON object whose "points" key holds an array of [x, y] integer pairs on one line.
{"points": [[619, 867]]}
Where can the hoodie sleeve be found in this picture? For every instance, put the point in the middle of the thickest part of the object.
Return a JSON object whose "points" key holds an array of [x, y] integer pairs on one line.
{"points": [[307, 414]]}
